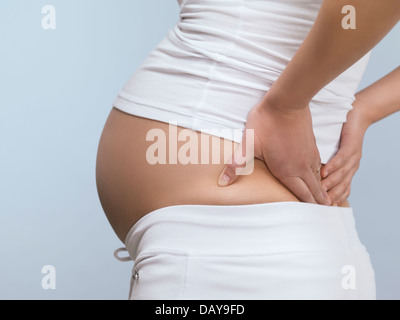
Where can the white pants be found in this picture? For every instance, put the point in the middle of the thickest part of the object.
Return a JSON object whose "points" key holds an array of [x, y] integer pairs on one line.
{"points": [[281, 250]]}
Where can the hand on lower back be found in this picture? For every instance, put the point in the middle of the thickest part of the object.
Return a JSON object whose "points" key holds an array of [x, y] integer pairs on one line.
{"points": [[340, 170], [285, 142]]}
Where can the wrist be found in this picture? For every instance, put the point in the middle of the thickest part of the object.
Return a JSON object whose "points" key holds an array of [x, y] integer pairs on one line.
{"points": [[360, 106], [285, 115], [282, 105], [284, 100]]}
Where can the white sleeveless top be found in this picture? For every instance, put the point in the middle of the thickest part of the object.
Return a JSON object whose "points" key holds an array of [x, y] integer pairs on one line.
{"points": [[221, 58]]}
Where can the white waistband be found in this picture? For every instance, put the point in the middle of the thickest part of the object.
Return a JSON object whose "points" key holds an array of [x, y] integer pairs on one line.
{"points": [[277, 227]]}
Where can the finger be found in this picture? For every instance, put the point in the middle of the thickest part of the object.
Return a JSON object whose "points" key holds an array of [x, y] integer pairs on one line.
{"points": [[241, 163], [344, 197], [333, 179], [317, 174], [337, 192], [336, 162], [342, 175], [324, 191], [315, 187], [299, 188]]}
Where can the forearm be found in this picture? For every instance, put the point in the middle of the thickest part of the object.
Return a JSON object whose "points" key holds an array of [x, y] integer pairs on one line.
{"points": [[381, 99], [329, 50]]}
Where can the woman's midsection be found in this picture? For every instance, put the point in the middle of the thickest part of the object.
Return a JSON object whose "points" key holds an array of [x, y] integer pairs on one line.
{"points": [[130, 185]]}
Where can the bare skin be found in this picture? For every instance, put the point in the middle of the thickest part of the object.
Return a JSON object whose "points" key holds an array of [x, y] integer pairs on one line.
{"points": [[129, 187]]}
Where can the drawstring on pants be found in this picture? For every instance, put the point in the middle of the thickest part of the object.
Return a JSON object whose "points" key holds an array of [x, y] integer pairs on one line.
{"points": [[135, 274], [123, 259]]}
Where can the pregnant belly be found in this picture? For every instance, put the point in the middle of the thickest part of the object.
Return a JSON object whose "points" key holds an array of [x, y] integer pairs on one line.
{"points": [[130, 185]]}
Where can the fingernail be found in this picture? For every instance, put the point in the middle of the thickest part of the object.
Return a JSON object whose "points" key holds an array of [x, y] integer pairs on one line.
{"points": [[223, 180], [325, 174]]}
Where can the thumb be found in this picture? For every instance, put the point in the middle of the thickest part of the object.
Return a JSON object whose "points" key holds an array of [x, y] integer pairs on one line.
{"points": [[335, 163], [242, 161]]}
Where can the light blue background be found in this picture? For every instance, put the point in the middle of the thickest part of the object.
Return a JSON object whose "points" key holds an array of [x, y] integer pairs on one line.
{"points": [[56, 90]]}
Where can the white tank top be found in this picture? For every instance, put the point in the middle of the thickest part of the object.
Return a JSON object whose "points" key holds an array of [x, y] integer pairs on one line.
{"points": [[220, 59]]}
